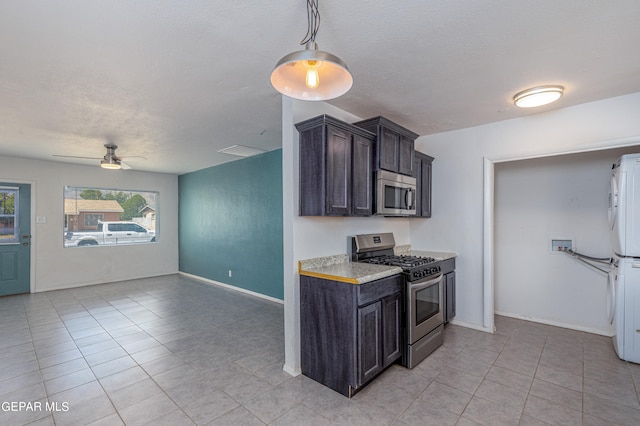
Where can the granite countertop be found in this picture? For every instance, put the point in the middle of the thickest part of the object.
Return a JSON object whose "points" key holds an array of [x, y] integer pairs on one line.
{"points": [[438, 255], [340, 268]]}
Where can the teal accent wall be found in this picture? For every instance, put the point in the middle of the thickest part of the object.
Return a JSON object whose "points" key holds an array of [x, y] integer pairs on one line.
{"points": [[230, 218]]}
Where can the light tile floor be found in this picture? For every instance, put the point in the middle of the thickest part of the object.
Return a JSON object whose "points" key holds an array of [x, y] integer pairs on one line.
{"points": [[173, 351]]}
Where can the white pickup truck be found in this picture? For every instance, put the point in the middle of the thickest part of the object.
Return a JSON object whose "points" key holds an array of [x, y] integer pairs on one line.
{"points": [[109, 233]]}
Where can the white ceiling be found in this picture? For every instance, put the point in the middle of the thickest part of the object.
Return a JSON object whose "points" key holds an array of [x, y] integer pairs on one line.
{"points": [[175, 81]]}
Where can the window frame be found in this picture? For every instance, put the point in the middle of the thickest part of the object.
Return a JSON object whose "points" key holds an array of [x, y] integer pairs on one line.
{"points": [[77, 233]]}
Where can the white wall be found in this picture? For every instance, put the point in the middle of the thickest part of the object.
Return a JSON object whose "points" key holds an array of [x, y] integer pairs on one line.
{"points": [[310, 237], [56, 267], [553, 197], [458, 177]]}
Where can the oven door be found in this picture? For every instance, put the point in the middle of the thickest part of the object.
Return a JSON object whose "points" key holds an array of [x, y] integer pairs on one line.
{"points": [[424, 307]]}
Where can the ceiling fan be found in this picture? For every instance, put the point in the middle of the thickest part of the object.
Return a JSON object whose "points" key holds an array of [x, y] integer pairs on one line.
{"points": [[110, 159]]}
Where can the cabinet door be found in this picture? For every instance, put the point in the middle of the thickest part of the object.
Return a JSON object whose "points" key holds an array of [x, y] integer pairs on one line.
{"points": [[338, 195], [450, 296], [425, 191], [369, 342], [391, 329], [417, 173], [362, 178], [405, 155], [388, 150]]}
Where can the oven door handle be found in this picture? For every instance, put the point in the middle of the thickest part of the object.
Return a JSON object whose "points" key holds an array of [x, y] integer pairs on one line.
{"points": [[421, 285]]}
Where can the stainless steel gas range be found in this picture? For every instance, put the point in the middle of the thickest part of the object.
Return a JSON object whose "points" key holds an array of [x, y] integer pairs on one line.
{"points": [[424, 287]]}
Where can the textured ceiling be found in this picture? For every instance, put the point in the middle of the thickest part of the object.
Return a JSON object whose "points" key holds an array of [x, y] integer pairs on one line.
{"points": [[175, 81]]}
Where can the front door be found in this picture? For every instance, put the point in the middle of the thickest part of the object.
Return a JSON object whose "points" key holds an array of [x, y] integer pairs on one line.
{"points": [[15, 238]]}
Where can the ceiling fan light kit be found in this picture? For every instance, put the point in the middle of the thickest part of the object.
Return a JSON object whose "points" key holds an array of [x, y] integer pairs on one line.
{"points": [[110, 163], [538, 96], [311, 74]]}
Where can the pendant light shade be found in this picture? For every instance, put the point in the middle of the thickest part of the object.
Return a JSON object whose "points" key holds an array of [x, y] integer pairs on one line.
{"points": [[311, 74], [538, 96]]}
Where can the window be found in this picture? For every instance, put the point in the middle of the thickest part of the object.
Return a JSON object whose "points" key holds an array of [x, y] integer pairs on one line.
{"points": [[92, 219], [8, 215], [97, 217]]}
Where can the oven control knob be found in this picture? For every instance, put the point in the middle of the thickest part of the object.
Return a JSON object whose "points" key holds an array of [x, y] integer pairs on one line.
{"points": [[416, 274]]}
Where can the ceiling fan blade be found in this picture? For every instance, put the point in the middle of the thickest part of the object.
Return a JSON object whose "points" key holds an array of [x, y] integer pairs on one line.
{"points": [[132, 156], [75, 156], [124, 165]]}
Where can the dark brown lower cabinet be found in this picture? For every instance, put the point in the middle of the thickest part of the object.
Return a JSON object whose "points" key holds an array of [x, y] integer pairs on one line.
{"points": [[349, 333], [449, 296]]}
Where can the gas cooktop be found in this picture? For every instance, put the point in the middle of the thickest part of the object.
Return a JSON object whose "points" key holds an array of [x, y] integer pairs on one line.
{"points": [[378, 249], [403, 261]]}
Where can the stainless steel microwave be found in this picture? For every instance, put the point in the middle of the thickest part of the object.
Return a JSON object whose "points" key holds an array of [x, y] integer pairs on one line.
{"points": [[395, 194]]}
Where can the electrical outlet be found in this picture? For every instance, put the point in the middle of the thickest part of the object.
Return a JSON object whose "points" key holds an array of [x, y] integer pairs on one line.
{"points": [[229, 272]]}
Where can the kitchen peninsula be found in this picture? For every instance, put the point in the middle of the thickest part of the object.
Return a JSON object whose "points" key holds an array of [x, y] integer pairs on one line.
{"points": [[353, 316]]}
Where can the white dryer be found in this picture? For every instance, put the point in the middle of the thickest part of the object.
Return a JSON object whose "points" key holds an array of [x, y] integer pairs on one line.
{"points": [[624, 206], [623, 294]]}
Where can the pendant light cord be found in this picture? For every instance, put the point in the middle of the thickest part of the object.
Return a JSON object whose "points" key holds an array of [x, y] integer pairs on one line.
{"points": [[313, 22]]}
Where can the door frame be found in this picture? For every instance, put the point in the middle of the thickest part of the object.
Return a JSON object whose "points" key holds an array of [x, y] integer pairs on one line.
{"points": [[488, 248], [32, 221]]}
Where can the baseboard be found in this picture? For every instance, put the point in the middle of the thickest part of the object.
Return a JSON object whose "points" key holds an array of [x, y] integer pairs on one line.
{"points": [[471, 326], [291, 371], [232, 287], [37, 288], [556, 324]]}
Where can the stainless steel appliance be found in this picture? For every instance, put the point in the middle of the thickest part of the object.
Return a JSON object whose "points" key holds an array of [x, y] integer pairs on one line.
{"points": [[395, 194], [423, 292]]}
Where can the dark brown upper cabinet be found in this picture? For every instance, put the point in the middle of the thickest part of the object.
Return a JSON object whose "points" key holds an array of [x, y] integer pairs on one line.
{"points": [[336, 168], [422, 166], [394, 148]]}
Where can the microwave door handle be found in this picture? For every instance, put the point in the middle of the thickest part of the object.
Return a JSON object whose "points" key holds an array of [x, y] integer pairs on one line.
{"points": [[408, 199]]}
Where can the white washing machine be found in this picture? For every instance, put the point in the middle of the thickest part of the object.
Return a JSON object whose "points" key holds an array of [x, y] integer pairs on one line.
{"points": [[623, 294], [624, 206]]}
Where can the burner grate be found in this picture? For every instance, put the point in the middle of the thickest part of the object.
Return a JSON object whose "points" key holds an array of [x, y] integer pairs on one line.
{"points": [[403, 261]]}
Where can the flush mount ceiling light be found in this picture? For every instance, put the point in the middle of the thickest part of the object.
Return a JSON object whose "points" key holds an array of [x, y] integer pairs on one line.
{"points": [[538, 96], [311, 74]]}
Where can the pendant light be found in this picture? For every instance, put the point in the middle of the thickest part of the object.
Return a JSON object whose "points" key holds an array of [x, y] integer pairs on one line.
{"points": [[311, 74], [538, 96]]}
